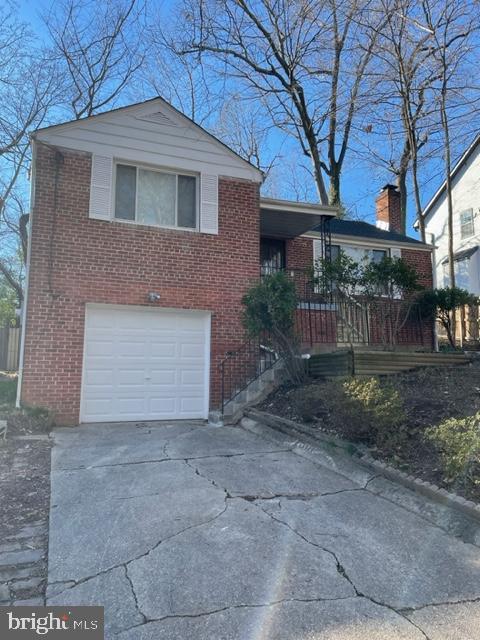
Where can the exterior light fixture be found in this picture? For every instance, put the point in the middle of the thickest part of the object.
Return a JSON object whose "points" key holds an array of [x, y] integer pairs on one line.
{"points": [[153, 297]]}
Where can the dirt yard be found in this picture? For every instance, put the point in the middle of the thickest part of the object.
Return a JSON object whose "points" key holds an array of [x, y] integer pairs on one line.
{"points": [[429, 396]]}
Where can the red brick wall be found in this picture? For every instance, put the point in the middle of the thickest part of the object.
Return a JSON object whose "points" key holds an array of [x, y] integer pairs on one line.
{"points": [[299, 253], [421, 261], [75, 260]]}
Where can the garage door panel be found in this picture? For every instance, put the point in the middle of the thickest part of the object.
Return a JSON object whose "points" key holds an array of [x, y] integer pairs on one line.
{"points": [[99, 407], [131, 376], [144, 365], [131, 405], [190, 350], [190, 404], [163, 349], [99, 377], [98, 348], [192, 376], [162, 406], [163, 377]]}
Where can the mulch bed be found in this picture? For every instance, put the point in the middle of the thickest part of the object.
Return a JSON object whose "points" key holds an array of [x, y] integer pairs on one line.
{"points": [[24, 503], [430, 396]]}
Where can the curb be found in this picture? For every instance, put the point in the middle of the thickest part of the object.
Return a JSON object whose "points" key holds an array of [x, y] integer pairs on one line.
{"points": [[423, 487], [287, 426]]}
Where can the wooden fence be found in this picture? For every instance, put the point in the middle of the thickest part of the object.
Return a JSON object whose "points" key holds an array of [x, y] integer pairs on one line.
{"points": [[375, 363], [9, 348], [467, 326]]}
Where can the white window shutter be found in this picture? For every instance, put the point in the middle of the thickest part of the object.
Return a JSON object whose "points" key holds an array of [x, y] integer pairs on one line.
{"points": [[395, 253], [101, 188], [208, 203]]}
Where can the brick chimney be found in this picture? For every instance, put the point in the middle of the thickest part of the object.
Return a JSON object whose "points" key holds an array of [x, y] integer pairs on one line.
{"points": [[388, 209]]}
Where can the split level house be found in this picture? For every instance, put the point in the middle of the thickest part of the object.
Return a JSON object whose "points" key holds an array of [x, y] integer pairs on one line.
{"points": [[466, 224], [146, 231]]}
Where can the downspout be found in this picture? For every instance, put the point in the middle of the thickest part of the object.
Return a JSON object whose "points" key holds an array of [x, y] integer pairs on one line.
{"points": [[27, 277]]}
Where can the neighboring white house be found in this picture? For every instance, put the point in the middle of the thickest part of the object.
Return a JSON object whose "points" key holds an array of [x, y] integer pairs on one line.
{"points": [[466, 223]]}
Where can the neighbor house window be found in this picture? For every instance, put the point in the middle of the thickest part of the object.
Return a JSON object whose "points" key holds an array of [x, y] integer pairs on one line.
{"points": [[377, 255], [333, 251], [155, 197], [466, 223]]}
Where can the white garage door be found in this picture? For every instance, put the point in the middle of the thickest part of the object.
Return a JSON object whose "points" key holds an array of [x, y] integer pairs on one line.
{"points": [[145, 364]]}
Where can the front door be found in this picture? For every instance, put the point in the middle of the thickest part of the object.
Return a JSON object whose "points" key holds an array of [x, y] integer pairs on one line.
{"points": [[272, 255]]}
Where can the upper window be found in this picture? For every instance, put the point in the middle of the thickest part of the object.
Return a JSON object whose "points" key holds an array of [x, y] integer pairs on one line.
{"points": [[155, 198], [466, 223]]}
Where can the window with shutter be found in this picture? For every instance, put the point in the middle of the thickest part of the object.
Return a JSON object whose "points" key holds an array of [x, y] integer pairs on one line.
{"points": [[156, 197]]}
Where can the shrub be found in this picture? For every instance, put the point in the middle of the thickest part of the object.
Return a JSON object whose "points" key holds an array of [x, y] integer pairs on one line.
{"points": [[382, 407], [442, 303], [269, 313], [359, 409], [458, 440]]}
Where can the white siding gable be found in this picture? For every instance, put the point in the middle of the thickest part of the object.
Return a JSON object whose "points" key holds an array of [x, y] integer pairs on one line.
{"points": [[466, 195], [151, 133]]}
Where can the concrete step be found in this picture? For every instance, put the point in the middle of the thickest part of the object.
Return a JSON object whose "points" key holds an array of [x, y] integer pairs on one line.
{"points": [[254, 392]]}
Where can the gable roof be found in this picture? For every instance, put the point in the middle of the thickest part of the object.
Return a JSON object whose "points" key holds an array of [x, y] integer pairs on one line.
{"points": [[359, 229], [458, 166], [155, 110]]}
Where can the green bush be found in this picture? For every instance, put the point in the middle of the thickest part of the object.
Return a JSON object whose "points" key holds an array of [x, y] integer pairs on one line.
{"points": [[382, 407], [269, 308], [458, 440], [359, 409]]}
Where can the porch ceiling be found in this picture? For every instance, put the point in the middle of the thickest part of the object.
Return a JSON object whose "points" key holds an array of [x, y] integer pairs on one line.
{"points": [[285, 219]]}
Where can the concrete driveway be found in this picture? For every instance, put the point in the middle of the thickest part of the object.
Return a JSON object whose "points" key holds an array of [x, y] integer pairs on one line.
{"points": [[188, 531]]}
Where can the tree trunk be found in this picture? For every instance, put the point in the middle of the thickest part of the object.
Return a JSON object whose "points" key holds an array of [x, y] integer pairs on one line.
{"points": [[402, 188], [416, 193], [448, 186], [334, 190]]}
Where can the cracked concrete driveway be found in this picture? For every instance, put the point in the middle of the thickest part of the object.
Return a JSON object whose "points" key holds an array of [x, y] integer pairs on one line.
{"points": [[188, 531]]}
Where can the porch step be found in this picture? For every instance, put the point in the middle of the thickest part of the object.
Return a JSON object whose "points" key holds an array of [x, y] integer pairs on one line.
{"points": [[254, 392]]}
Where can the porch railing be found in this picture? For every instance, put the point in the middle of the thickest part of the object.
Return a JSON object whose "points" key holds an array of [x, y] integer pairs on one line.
{"points": [[243, 366], [329, 316]]}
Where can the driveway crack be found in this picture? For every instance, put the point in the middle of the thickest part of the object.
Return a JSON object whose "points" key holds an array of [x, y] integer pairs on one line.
{"points": [[124, 565], [137, 607], [342, 571], [231, 607]]}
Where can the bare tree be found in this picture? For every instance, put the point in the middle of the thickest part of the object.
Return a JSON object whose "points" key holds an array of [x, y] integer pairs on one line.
{"points": [[28, 89], [306, 59], [403, 52], [451, 25], [242, 126], [182, 80], [99, 48]]}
